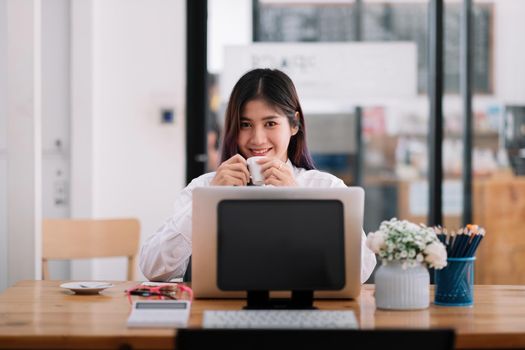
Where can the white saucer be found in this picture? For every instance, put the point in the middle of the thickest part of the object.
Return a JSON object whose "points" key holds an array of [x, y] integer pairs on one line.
{"points": [[91, 287]]}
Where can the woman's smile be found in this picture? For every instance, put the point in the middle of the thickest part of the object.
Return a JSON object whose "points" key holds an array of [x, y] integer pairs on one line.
{"points": [[259, 151]]}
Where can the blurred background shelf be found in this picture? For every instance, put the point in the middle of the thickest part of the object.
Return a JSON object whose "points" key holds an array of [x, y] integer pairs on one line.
{"points": [[499, 207]]}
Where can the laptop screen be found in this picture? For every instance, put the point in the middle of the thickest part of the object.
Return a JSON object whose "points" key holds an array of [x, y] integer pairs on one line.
{"points": [[280, 244]]}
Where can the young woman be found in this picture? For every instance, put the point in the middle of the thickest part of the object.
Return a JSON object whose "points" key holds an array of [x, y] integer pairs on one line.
{"points": [[263, 118]]}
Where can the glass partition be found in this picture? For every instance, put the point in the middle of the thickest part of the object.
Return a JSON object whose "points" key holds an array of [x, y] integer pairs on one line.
{"points": [[381, 142]]}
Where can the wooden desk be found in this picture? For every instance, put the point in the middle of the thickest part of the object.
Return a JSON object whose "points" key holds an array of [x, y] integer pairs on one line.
{"points": [[39, 314]]}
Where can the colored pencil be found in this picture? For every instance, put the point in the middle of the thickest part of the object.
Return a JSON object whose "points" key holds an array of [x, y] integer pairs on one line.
{"points": [[462, 243]]}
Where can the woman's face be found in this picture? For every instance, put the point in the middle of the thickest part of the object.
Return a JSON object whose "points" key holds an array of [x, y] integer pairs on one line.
{"points": [[264, 131]]}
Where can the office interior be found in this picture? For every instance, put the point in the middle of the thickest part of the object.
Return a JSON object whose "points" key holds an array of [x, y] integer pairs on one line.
{"points": [[94, 115]]}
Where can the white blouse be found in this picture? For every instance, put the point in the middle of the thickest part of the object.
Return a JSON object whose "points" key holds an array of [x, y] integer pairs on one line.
{"points": [[165, 254]]}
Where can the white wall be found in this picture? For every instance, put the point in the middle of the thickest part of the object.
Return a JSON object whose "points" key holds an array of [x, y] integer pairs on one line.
{"points": [[131, 164], [23, 140], [56, 101], [3, 146]]}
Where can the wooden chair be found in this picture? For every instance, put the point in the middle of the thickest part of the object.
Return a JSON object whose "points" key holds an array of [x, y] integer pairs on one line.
{"points": [[82, 239]]}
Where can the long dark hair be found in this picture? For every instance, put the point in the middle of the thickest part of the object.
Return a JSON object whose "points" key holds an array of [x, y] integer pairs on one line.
{"points": [[278, 90]]}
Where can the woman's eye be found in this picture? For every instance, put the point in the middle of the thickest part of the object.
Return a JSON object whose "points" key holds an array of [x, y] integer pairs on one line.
{"points": [[271, 124], [245, 125]]}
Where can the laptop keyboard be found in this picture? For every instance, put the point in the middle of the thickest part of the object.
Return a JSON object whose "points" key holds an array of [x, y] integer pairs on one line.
{"points": [[280, 319]]}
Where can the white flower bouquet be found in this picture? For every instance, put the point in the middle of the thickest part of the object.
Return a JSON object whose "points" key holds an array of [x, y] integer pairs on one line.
{"points": [[406, 242]]}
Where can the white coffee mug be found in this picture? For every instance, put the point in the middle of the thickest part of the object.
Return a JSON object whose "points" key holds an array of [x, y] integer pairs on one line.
{"points": [[255, 170]]}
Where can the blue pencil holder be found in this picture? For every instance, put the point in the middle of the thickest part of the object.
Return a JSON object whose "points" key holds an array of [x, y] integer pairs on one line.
{"points": [[455, 283]]}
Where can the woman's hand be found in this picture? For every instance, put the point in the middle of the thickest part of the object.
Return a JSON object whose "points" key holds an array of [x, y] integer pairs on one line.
{"points": [[276, 172], [232, 172]]}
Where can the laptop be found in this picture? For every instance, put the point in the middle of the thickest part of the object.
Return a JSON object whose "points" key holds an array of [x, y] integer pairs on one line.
{"points": [[204, 234]]}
